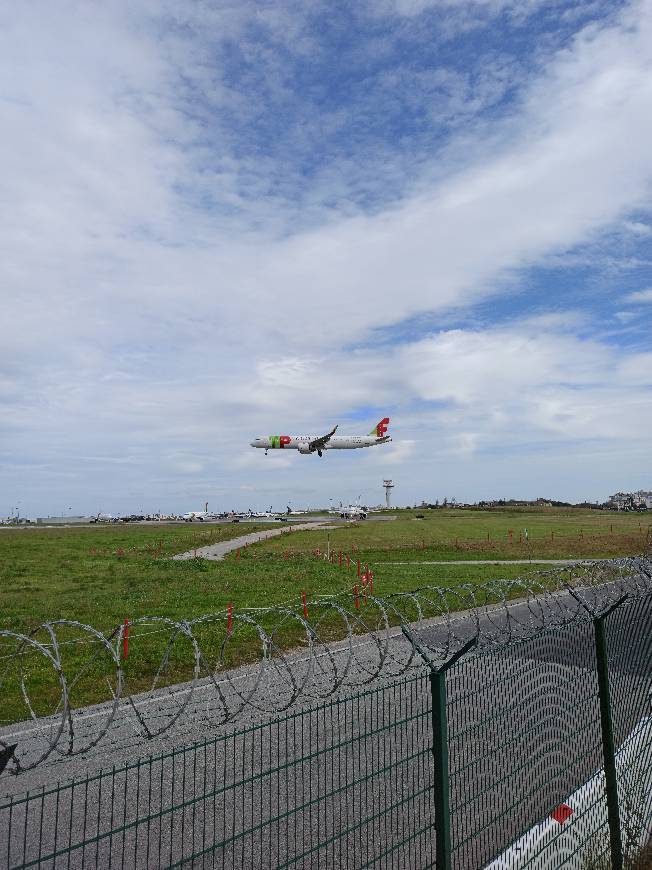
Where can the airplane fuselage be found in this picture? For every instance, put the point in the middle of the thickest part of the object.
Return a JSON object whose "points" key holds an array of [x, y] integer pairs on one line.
{"points": [[302, 442]]}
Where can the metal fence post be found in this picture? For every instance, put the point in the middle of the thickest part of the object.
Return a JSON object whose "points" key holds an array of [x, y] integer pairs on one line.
{"points": [[606, 727], [608, 748], [443, 848], [440, 753]]}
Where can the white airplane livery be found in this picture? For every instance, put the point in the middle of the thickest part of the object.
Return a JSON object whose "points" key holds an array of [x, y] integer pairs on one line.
{"points": [[318, 443]]}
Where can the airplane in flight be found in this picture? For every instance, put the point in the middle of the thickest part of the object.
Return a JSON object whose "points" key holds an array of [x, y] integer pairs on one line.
{"points": [[318, 443]]}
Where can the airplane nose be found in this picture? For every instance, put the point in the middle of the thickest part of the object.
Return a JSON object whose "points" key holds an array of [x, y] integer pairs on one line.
{"points": [[253, 443]]}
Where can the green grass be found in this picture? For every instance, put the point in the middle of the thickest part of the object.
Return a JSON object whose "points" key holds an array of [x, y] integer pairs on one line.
{"points": [[553, 533], [106, 574]]}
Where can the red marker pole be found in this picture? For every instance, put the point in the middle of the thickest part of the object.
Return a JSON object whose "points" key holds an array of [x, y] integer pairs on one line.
{"points": [[237, 554], [358, 567], [125, 640], [339, 558], [305, 605], [357, 598], [229, 618], [371, 583], [348, 561]]}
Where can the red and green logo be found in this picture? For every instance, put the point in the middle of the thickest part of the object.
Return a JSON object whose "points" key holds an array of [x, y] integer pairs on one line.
{"points": [[276, 441], [381, 428]]}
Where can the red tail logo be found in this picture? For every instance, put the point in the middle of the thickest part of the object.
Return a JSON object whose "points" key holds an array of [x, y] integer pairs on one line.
{"points": [[381, 428]]}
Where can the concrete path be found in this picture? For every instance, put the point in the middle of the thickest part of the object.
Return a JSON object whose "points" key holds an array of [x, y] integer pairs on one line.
{"points": [[218, 551]]}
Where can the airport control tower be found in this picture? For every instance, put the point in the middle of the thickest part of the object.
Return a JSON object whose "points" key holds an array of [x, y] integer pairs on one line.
{"points": [[389, 486]]}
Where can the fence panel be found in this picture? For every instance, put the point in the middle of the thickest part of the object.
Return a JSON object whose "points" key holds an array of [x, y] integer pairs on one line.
{"points": [[629, 645], [350, 783], [347, 783], [524, 730]]}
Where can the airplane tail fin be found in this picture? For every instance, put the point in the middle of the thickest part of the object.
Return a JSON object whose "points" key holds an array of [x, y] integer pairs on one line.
{"points": [[380, 429]]}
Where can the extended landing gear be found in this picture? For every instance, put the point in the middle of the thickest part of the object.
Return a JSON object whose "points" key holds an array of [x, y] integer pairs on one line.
{"points": [[265, 452], [319, 453]]}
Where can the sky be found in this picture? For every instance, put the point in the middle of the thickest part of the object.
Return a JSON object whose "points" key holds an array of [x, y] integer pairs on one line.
{"points": [[225, 220]]}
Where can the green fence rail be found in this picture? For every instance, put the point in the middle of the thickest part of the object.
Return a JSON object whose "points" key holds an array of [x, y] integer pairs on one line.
{"points": [[507, 770]]}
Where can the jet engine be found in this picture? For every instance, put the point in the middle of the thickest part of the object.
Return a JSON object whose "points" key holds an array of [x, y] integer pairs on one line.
{"points": [[304, 448]]}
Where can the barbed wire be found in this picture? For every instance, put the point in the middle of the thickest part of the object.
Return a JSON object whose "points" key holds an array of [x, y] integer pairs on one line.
{"points": [[335, 643]]}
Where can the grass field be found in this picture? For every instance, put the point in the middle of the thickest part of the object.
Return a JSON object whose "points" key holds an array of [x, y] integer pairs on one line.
{"points": [[552, 533], [106, 574]]}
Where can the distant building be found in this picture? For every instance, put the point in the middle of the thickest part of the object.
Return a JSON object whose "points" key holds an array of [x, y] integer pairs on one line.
{"points": [[631, 501], [62, 521]]}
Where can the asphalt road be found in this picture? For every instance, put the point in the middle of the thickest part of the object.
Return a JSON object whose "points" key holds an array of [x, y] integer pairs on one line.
{"points": [[523, 731], [495, 562]]}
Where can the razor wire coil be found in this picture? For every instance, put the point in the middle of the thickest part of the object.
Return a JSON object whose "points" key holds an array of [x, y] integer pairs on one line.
{"points": [[339, 642]]}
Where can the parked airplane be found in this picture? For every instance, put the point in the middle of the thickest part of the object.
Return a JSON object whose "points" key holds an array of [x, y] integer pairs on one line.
{"points": [[353, 512], [262, 515], [103, 518], [198, 516], [350, 511], [330, 441]]}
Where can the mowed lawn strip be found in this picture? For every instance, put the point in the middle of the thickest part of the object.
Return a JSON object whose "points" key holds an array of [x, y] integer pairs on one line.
{"points": [[104, 575], [444, 535]]}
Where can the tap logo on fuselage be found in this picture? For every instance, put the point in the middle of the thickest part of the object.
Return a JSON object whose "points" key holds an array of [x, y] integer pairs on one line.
{"points": [[279, 440]]}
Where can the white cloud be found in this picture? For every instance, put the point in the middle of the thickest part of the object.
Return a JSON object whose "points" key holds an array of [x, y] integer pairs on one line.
{"points": [[470, 12], [137, 314], [102, 175], [638, 228], [396, 453], [640, 296]]}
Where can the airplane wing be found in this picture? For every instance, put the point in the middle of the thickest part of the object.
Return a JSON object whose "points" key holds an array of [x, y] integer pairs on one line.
{"points": [[318, 443]]}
